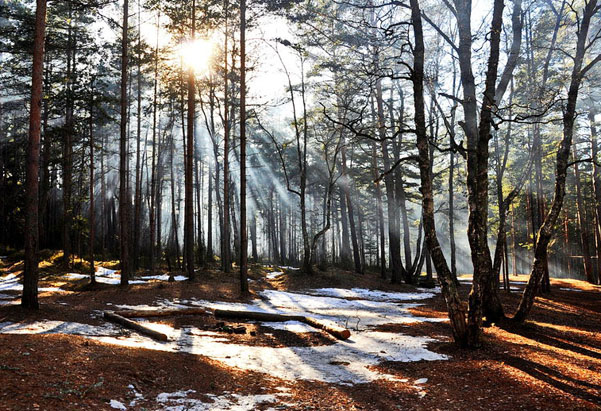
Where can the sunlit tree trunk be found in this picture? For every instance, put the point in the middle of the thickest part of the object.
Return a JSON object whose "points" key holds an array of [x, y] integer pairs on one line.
{"points": [[547, 229]]}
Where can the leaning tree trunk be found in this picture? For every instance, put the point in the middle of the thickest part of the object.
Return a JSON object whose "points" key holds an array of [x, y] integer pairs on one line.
{"points": [[545, 233], [447, 285]]}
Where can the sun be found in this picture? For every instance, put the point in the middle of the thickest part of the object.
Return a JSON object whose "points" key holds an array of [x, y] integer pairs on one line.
{"points": [[197, 55]]}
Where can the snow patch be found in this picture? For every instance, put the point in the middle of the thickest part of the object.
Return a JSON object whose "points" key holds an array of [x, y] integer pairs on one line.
{"points": [[60, 327], [117, 405], [163, 277], [372, 295], [11, 282], [179, 401], [292, 326], [274, 275], [344, 362]]}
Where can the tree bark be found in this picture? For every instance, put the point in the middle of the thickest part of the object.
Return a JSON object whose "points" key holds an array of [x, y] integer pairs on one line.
{"points": [[189, 165], [123, 192], [455, 307], [226, 252], [585, 238], [92, 211], [243, 230], [67, 145], [29, 299], [596, 187], [546, 231], [477, 135]]}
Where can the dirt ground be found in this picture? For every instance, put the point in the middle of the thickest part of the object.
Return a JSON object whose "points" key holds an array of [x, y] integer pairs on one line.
{"points": [[553, 361]]}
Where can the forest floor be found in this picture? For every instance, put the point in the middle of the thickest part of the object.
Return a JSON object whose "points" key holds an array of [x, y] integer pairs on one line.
{"points": [[400, 354]]}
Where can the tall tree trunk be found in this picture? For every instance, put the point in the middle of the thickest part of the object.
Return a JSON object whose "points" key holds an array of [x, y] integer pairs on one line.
{"points": [[210, 253], [585, 238], [189, 165], [546, 231], [477, 131], [43, 220], [92, 219], [123, 192], [243, 231], [174, 214], [380, 213], [226, 252], [67, 145], [29, 298], [596, 188], [447, 285], [153, 185], [394, 235], [346, 183], [199, 176], [138, 182], [451, 195], [345, 245]]}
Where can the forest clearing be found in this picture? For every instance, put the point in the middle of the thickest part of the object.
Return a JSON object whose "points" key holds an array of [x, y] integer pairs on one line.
{"points": [[400, 354], [300, 204]]}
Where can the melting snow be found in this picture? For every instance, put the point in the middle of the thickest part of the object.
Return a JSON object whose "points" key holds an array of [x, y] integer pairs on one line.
{"points": [[372, 295], [117, 405], [345, 362], [11, 283], [61, 327], [163, 277], [292, 326], [286, 267], [179, 401], [274, 275]]}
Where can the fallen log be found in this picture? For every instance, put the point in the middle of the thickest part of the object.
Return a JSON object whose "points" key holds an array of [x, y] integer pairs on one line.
{"points": [[116, 318], [338, 332], [163, 313]]}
